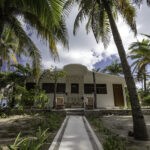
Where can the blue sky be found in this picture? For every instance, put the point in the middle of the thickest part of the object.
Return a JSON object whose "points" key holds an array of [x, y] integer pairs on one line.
{"points": [[83, 48]]}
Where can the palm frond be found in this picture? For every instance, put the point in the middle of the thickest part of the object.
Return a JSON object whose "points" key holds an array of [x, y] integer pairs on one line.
{"points": [[128, 12]]}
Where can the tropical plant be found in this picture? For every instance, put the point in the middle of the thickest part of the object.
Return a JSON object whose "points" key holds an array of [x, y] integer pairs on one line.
{"points": [[140, 53], [55, 75], [45, 16], [8, 45], [139, 2], [114, 68], [10, 80], [101, 15], [13, 47], [28, 98], [26, 143]]}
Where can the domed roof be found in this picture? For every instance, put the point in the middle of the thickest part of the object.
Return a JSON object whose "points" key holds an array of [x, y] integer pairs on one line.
{"points": [[76, 69]]}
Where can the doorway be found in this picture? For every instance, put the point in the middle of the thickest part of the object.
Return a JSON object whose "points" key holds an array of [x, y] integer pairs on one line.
{"points": [[118, 95]]}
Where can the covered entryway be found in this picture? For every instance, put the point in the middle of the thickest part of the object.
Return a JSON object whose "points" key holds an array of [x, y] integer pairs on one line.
{"points": [[75, 85], [74, 92], [118, 95]]}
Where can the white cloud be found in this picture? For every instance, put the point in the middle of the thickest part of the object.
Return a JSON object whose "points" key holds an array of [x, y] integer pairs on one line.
{"points": [[83, 47]]}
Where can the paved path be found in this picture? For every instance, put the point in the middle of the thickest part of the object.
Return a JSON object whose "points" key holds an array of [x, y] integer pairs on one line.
{"points": [[75, 136]]}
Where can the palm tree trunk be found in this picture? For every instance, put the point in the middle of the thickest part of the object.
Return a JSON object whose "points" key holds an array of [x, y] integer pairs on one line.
{"points": [[55, 88], [1, 63], [95, 93], [139, 127], [144, 77], [13, 98], [1, 22]]}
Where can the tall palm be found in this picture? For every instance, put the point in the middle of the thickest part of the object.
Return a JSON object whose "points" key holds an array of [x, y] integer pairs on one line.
{"points": [[140, 53], [114, 69], [45, 16], [11, 46], [101, 16]]}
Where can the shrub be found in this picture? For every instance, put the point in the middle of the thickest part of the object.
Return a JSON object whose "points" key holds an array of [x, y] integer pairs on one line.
{"points": [[3, 115], [146, 100]]}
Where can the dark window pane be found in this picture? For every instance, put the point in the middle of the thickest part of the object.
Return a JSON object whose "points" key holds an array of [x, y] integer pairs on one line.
{"points": [[101, 89], [88, 88], [61, 88], [30, 85], [48, 87], [74, 88]]}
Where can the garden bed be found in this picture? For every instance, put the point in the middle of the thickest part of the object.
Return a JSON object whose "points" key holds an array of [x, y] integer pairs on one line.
{"points": [[113, 130], [28, 125]]}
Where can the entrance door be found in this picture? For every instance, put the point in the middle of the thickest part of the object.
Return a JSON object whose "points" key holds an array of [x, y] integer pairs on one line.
{"points": [[118, 95]]}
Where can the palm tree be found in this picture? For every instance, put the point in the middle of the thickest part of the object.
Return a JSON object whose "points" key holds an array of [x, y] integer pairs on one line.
{"points": [[139, 2], [101, 16], [12, 46], [114, 69], [140, 53], [45, 16]]}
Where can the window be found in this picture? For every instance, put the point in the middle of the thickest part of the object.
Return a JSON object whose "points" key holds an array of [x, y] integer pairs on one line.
{"points": [[30, 85], [101, 89], [88, 88], [48, 87], [74, 88], [61, 88]]}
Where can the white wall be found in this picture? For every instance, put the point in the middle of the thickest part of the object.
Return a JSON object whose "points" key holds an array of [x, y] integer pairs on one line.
{"points": [[105, 100]]}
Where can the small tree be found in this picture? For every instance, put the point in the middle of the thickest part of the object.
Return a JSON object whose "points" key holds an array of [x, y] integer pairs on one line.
{"points": [[55, 75]]}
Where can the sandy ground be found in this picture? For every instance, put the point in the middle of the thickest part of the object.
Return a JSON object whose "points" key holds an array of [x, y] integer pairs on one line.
{"points": [[26, 124], [121, 125], [10, 127]]}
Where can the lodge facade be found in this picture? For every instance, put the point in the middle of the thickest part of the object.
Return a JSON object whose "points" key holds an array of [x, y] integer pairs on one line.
{"points": [[78, 85]]}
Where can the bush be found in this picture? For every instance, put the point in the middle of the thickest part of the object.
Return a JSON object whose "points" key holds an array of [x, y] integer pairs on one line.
{"points": [[146, 100], [28, 98], [3, 115]]}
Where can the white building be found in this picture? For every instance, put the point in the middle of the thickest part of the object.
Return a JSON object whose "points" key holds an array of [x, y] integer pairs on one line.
{"points": [[78, 84]]}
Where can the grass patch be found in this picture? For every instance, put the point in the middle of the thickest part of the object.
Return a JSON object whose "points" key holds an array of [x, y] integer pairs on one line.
{"points": [[110, 140]]}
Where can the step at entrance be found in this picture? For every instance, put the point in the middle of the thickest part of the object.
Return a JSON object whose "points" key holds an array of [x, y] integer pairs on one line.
{"points": [[75, 111]]}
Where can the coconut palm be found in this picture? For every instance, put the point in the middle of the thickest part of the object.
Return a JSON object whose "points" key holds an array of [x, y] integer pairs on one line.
{"points": [[114, 69], [12, 46], [139, 2], [45, 16], [101, 15], [140, 53]]}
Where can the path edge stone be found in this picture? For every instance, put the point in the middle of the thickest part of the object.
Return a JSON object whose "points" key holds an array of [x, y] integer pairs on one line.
{"points": [[96, 141], [56, 142]]}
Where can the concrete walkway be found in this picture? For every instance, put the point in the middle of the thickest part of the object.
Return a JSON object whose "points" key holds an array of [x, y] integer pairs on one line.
{"points": [[77, 136]]}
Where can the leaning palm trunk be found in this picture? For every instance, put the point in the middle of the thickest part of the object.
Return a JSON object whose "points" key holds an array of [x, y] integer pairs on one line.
{"points": [[55, 88], [1, 24], [139, 127], [144, 77]]}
